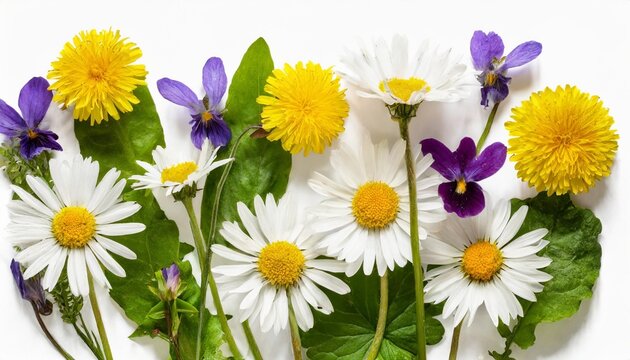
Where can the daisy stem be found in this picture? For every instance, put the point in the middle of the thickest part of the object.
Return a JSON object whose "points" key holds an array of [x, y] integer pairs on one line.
{"points": [[382, 320], [295, 334], [52, 340], [251, 340], [99, 319], [455, 341], [486, 130], [415, 240]]}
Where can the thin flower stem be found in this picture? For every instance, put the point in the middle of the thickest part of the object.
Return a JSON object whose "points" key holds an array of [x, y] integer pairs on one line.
{"points": [[415, 241], [455, 341], [296, 343], [486, 130], [251, 340], [172, 338], [382, 320], [206, 273], [99, 320], [50, 337], [196, 232]]}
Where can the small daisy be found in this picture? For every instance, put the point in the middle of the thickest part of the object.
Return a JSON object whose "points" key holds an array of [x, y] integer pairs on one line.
{"points": [[385, 71], [365, 216], [480, 262], [72, 221], [174, 170], [277, 266]]}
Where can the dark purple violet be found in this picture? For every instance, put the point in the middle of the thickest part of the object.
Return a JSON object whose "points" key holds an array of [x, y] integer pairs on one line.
{"points": [[31, 290]]}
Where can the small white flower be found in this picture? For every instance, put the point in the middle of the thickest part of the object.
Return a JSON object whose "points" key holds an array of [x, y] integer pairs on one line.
{"points": [[387, 72], [480, 262], [365, 217], [276, 264], [72, 221], [175, 169]]}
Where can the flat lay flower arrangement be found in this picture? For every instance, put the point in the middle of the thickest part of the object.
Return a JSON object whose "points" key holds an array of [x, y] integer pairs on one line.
{"points": [[404, 235]]}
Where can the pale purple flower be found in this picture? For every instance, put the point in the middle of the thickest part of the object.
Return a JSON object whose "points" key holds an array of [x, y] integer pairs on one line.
{"points": [[207, 113], [31, 290], [463, 168], [34, 101], [171, 281], [487, 55]]}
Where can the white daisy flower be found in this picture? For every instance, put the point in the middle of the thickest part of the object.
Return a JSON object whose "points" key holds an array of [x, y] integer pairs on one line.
{"points": [[72, 221], [176, 169], [277, 265], [387, 72], [480, 262], [365, 216]]}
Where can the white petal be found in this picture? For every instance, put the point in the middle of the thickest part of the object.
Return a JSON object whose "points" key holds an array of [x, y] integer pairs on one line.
{"points": [[106, 259], [120, 229], [328, 281], [513, 226], [115, 247], [32, 201], [117, 212]]}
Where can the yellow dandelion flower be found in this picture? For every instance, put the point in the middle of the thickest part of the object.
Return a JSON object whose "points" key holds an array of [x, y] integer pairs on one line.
{"points": [[562, 140], [94, 73], [305, 108]]}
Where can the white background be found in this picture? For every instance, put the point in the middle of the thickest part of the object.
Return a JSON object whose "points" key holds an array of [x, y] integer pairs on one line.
{"points": [[585, 44]]}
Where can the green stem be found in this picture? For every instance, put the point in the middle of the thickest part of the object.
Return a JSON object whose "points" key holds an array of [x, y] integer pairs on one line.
{"points": [[415, 240], [296, 343], [382, 320], [99, 320], [206, 273], [251, 340], [455, 341], [196, 232], [486, 130], [49, 335]]}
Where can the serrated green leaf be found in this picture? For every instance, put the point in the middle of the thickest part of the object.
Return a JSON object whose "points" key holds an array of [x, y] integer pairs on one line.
{"points": [[261, 166], [576, 255], [348, 332]]}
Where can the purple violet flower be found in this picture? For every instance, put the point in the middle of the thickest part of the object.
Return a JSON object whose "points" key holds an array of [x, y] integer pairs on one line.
{"points": [[463, 168], [34, 101], [31, 290], [487, 56], [171, 281], [207, 113]]}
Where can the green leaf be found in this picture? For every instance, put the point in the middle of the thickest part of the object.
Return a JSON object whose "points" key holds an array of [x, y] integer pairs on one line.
{"points": [[348, 332], [576, 255], [261, 166]]}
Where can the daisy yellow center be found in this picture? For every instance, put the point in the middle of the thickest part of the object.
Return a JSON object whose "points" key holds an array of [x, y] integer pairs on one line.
{"points": [[304, 108], [73, 226], [562, 140], [96, 73], [404, 88], [482, 260], [206, 116], [375, 205], [281, 263], [461, 186], [178, 173]]}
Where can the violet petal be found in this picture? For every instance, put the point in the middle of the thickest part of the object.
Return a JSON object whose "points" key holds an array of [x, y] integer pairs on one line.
{"points": [[522, 54], [34, 101], [465, 153], [11, 123], [31, 147], [214, 80], [444, 161], [470, 203], [218, 132], [487, 163], [180, 94], [198, 131], [484, 48]]}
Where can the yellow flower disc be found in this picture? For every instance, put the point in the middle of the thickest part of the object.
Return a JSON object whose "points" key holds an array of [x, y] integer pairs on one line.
{"points": [[482, 260], [73, 226], [178, 173], [305, 108], [562, 140], [375, 205], [94, 73], [404, 88], [281, 263]]}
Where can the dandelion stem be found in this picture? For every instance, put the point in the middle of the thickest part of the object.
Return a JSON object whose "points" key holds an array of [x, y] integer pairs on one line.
{"points": [[486, 130], [382, 320], [415, 239], [295, 334], [99, 319], [455, 341], [251, 340], [50, 337]]}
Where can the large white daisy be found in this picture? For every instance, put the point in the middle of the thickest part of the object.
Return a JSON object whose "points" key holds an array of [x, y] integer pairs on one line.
{"points": [[72, 221], [386, 71], [480, 262], [365, 217], [175, 169], [276, 265]]}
